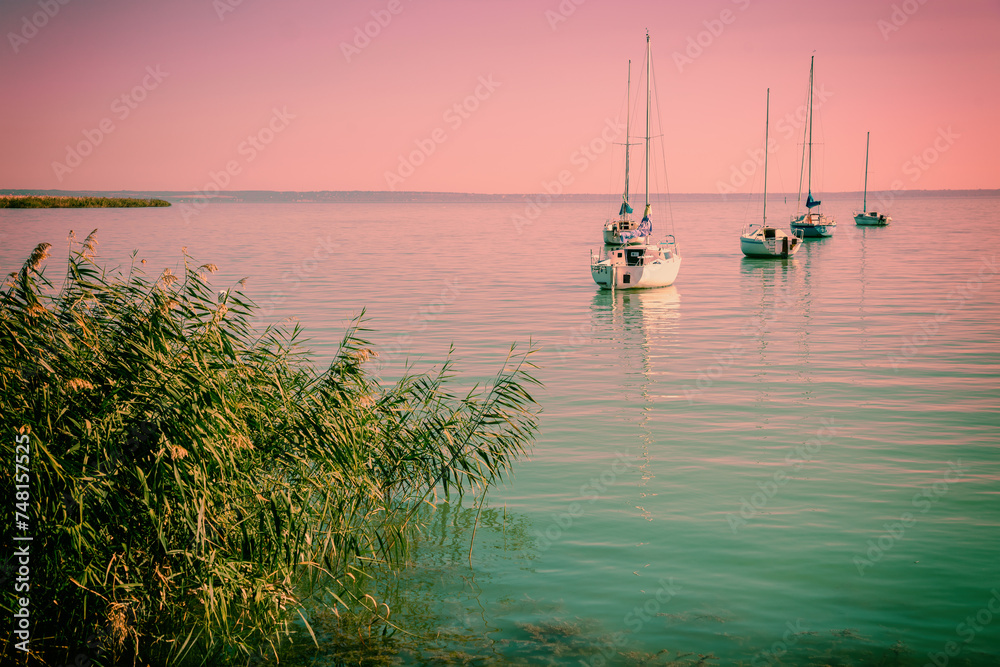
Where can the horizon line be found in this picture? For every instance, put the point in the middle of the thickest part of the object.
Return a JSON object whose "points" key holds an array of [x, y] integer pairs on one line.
{"points": [[397, 193]]}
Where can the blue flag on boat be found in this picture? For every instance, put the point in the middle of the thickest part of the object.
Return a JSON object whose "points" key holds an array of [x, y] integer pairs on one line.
{"points": [[625, 208], [810, 202]]}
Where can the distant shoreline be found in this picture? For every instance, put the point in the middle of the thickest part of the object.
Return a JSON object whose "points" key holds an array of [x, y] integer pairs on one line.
{"points": [[388, 197], [70, 201]]}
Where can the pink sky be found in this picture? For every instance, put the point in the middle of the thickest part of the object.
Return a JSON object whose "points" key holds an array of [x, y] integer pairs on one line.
{"points": [[923, 77]]}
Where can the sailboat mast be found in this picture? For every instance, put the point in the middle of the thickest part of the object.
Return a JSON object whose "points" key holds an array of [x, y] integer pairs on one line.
{"points": [[628, 120], [864, 204], [647, 124], [767, 121], [811, 61]]}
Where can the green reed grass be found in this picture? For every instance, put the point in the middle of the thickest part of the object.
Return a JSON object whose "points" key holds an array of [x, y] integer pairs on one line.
{"points": [[43, 201], [199, 489]]}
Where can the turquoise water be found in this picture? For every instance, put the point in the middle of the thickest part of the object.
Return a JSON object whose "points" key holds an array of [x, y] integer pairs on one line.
{"points": [[771, 462]]}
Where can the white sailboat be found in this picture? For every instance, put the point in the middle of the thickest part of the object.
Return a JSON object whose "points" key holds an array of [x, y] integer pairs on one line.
{"points": [[864, 216], [811, 223], [759, 240], [627, 265], [625, 229]]}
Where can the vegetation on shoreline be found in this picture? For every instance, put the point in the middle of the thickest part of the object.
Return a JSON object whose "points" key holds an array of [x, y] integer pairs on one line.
{"points": [[43, 201], [198, 491]]}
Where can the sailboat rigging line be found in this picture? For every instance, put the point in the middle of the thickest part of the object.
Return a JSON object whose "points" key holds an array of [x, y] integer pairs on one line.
{"points": [[751, 202], [864, 205], [628, 125], [663, 156], [615, 208], [802, 162], [812, 58], [648, 83], [767, 127]]}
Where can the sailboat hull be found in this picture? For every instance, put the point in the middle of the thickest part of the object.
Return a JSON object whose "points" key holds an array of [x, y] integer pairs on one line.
{"points": [[756, 248], [660, 274], [813, 231], [614, 271], [768, 242], [871, 219], [813, 225]]}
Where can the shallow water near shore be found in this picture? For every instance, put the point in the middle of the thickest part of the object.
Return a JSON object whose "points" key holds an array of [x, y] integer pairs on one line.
{"points": [[770, 462]]}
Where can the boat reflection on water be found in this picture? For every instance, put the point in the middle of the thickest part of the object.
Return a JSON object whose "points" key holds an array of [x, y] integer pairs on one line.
{"points": [[766, 285], [640, 327], [779, 295], [750, 266], [637, 326], [631, 317]]}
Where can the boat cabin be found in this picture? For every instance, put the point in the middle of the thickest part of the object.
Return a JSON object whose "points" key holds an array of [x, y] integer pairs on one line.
{"points": [[637, 255]]}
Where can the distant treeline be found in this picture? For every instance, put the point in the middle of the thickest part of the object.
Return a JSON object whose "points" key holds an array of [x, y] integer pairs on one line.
{"points": [[31, 201], [364, 197]]}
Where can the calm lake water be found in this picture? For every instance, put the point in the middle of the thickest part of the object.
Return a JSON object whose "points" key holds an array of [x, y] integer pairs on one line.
{"points": [[771, 462]]}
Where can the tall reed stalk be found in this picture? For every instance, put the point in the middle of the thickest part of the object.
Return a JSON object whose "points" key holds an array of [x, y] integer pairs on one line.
{"points": [[195, 484]]}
